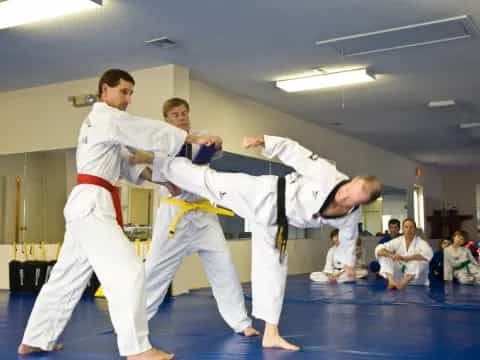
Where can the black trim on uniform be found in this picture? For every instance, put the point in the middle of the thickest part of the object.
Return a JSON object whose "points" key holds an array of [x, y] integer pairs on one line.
{"points": [[330, 198], [282, 221]]}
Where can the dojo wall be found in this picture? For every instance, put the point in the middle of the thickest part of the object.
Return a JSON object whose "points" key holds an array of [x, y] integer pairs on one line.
{"points": [[460, 192]]}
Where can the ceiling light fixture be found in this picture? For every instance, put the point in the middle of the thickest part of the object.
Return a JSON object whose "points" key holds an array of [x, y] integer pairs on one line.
{"points": [[326, 80], [469, 125], [441, 103], [20, 12]]}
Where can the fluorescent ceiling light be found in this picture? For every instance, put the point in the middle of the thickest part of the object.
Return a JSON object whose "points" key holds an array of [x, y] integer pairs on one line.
{"points": [[321, 81], [441, 103], [469, 125], [19, 12]]}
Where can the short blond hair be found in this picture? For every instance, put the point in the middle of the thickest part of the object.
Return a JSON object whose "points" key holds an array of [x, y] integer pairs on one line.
{"points": [[173, 103]]}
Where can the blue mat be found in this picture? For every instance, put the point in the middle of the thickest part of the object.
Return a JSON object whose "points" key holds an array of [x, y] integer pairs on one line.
{"points": [[361, 321]]}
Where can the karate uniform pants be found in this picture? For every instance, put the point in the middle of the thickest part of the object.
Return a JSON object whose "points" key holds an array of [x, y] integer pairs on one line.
{"points": [[472, 276], [419, 269], [93, 243], [196, 233], [321, 277]]}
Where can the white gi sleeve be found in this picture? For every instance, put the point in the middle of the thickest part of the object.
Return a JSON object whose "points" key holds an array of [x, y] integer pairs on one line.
{"points": [[447, 266], [347, 236], [426, 250], [129, 172], [119, 127], [157, 165], [391, 246], [329, 261], [291, 153]]}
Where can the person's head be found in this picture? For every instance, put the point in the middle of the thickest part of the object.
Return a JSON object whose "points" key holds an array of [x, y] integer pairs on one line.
{"points": [[360, 190], [458, 238], [334, 237], [176, 111], [394, 228], [409, 228], [115, 88], [444, 244]]}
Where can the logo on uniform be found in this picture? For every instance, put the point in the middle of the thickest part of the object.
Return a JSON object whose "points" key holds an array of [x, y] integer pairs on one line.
{"points": [[315, 194], [314, 157], [222, 194]]}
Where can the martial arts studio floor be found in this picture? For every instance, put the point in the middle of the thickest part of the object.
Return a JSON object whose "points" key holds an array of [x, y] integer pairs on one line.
{"points": [[362, 321]]}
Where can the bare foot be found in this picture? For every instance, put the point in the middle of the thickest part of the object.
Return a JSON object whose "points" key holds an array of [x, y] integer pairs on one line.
{"points": [[272, 339], [401, 286], [392, 285], [250, 331], [26, 349], [405, 281], [277, 342], [152, 354]]}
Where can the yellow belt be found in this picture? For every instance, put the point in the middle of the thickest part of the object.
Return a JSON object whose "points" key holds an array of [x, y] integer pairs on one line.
{"points": [[186, 206]]}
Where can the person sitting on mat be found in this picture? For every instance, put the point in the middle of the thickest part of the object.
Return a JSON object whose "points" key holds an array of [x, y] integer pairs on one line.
{"points": [[404, 260]]}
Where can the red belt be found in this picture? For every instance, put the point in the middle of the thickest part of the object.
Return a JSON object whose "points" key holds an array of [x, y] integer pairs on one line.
{"points": [[113, 190]]}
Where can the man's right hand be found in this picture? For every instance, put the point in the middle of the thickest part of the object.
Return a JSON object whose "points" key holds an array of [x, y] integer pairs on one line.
{"points": [[252, 142], [172, 188], [204, 140]]}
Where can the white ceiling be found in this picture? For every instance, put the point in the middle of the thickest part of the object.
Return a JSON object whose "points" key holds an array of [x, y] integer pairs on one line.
{"points": [[242, 46]]}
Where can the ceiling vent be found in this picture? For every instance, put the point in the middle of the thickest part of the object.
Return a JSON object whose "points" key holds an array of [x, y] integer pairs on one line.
{"points": [[421, 34], [161, 42]]}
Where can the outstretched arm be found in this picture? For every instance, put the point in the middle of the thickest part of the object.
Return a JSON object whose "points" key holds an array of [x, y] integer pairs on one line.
{"points": [[291, 153], [146, 157], [146, 174]]}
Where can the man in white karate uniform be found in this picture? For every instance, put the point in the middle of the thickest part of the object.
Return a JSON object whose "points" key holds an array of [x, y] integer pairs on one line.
{"points": [[198, 230], [314, 195], [94, 238], [404, 260]]}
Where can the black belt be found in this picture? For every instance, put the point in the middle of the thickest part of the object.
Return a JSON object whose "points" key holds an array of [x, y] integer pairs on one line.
{"points": [[282, 222]]}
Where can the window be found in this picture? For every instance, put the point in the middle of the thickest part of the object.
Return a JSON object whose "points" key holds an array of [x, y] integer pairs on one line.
{"points": [[418, 206]]}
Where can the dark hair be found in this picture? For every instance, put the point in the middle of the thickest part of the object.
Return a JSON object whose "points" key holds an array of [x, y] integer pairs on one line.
{"points": [[394, 222], [112, 78], [333, 233], [173, 103], [441, 241], [411, 220]]}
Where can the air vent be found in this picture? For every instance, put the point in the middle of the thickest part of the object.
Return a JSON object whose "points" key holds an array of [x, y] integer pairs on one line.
{"points": [[421, 34], [162, 42]]}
